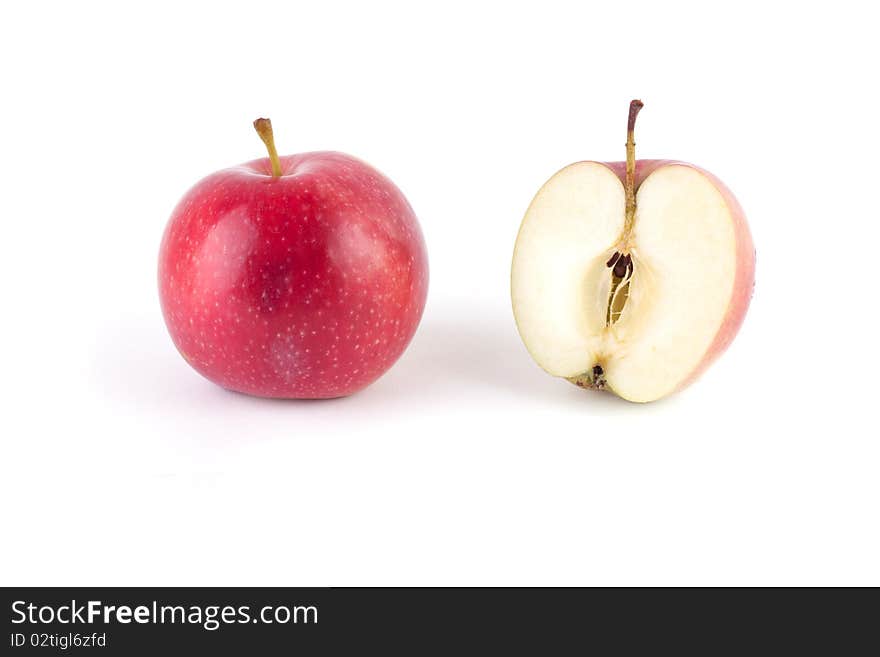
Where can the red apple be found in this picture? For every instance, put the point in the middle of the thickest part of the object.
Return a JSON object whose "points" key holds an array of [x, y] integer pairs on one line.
{"points": [[300, 277]]}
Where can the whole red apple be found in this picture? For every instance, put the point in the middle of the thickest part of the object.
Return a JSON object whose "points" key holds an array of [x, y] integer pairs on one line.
{"points": [[301, 277]]}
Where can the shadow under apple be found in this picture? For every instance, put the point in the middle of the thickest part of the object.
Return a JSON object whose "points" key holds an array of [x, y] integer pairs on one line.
{"points": [[474, 355], [469, 357]]}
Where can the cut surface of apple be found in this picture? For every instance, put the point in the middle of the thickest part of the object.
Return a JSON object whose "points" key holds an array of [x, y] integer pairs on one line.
{"points": [[637, 302]]}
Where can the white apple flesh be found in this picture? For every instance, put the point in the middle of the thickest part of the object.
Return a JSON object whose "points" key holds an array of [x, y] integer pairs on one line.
{"points": [[637, 297]]}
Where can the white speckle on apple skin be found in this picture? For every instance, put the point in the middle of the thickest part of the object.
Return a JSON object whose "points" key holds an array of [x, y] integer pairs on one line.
{"points": [[310, 285]]}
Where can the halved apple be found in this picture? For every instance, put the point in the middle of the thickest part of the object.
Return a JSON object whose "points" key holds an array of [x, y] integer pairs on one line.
{"points": [[631, 276]]}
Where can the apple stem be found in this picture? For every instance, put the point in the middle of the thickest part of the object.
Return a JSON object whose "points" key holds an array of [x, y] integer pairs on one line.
{"points": [[264, 129], [630, 181]]}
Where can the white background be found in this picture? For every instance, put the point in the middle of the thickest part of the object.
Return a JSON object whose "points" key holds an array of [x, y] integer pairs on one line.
{"points": [[465, 464]]}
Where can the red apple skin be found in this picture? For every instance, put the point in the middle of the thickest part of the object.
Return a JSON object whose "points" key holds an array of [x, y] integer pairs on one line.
{"points": [[307, 285], [744, 283]]}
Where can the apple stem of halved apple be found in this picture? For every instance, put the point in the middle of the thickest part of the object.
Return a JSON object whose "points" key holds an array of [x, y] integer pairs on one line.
{"points": [[630, 180], [264, 129]]}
